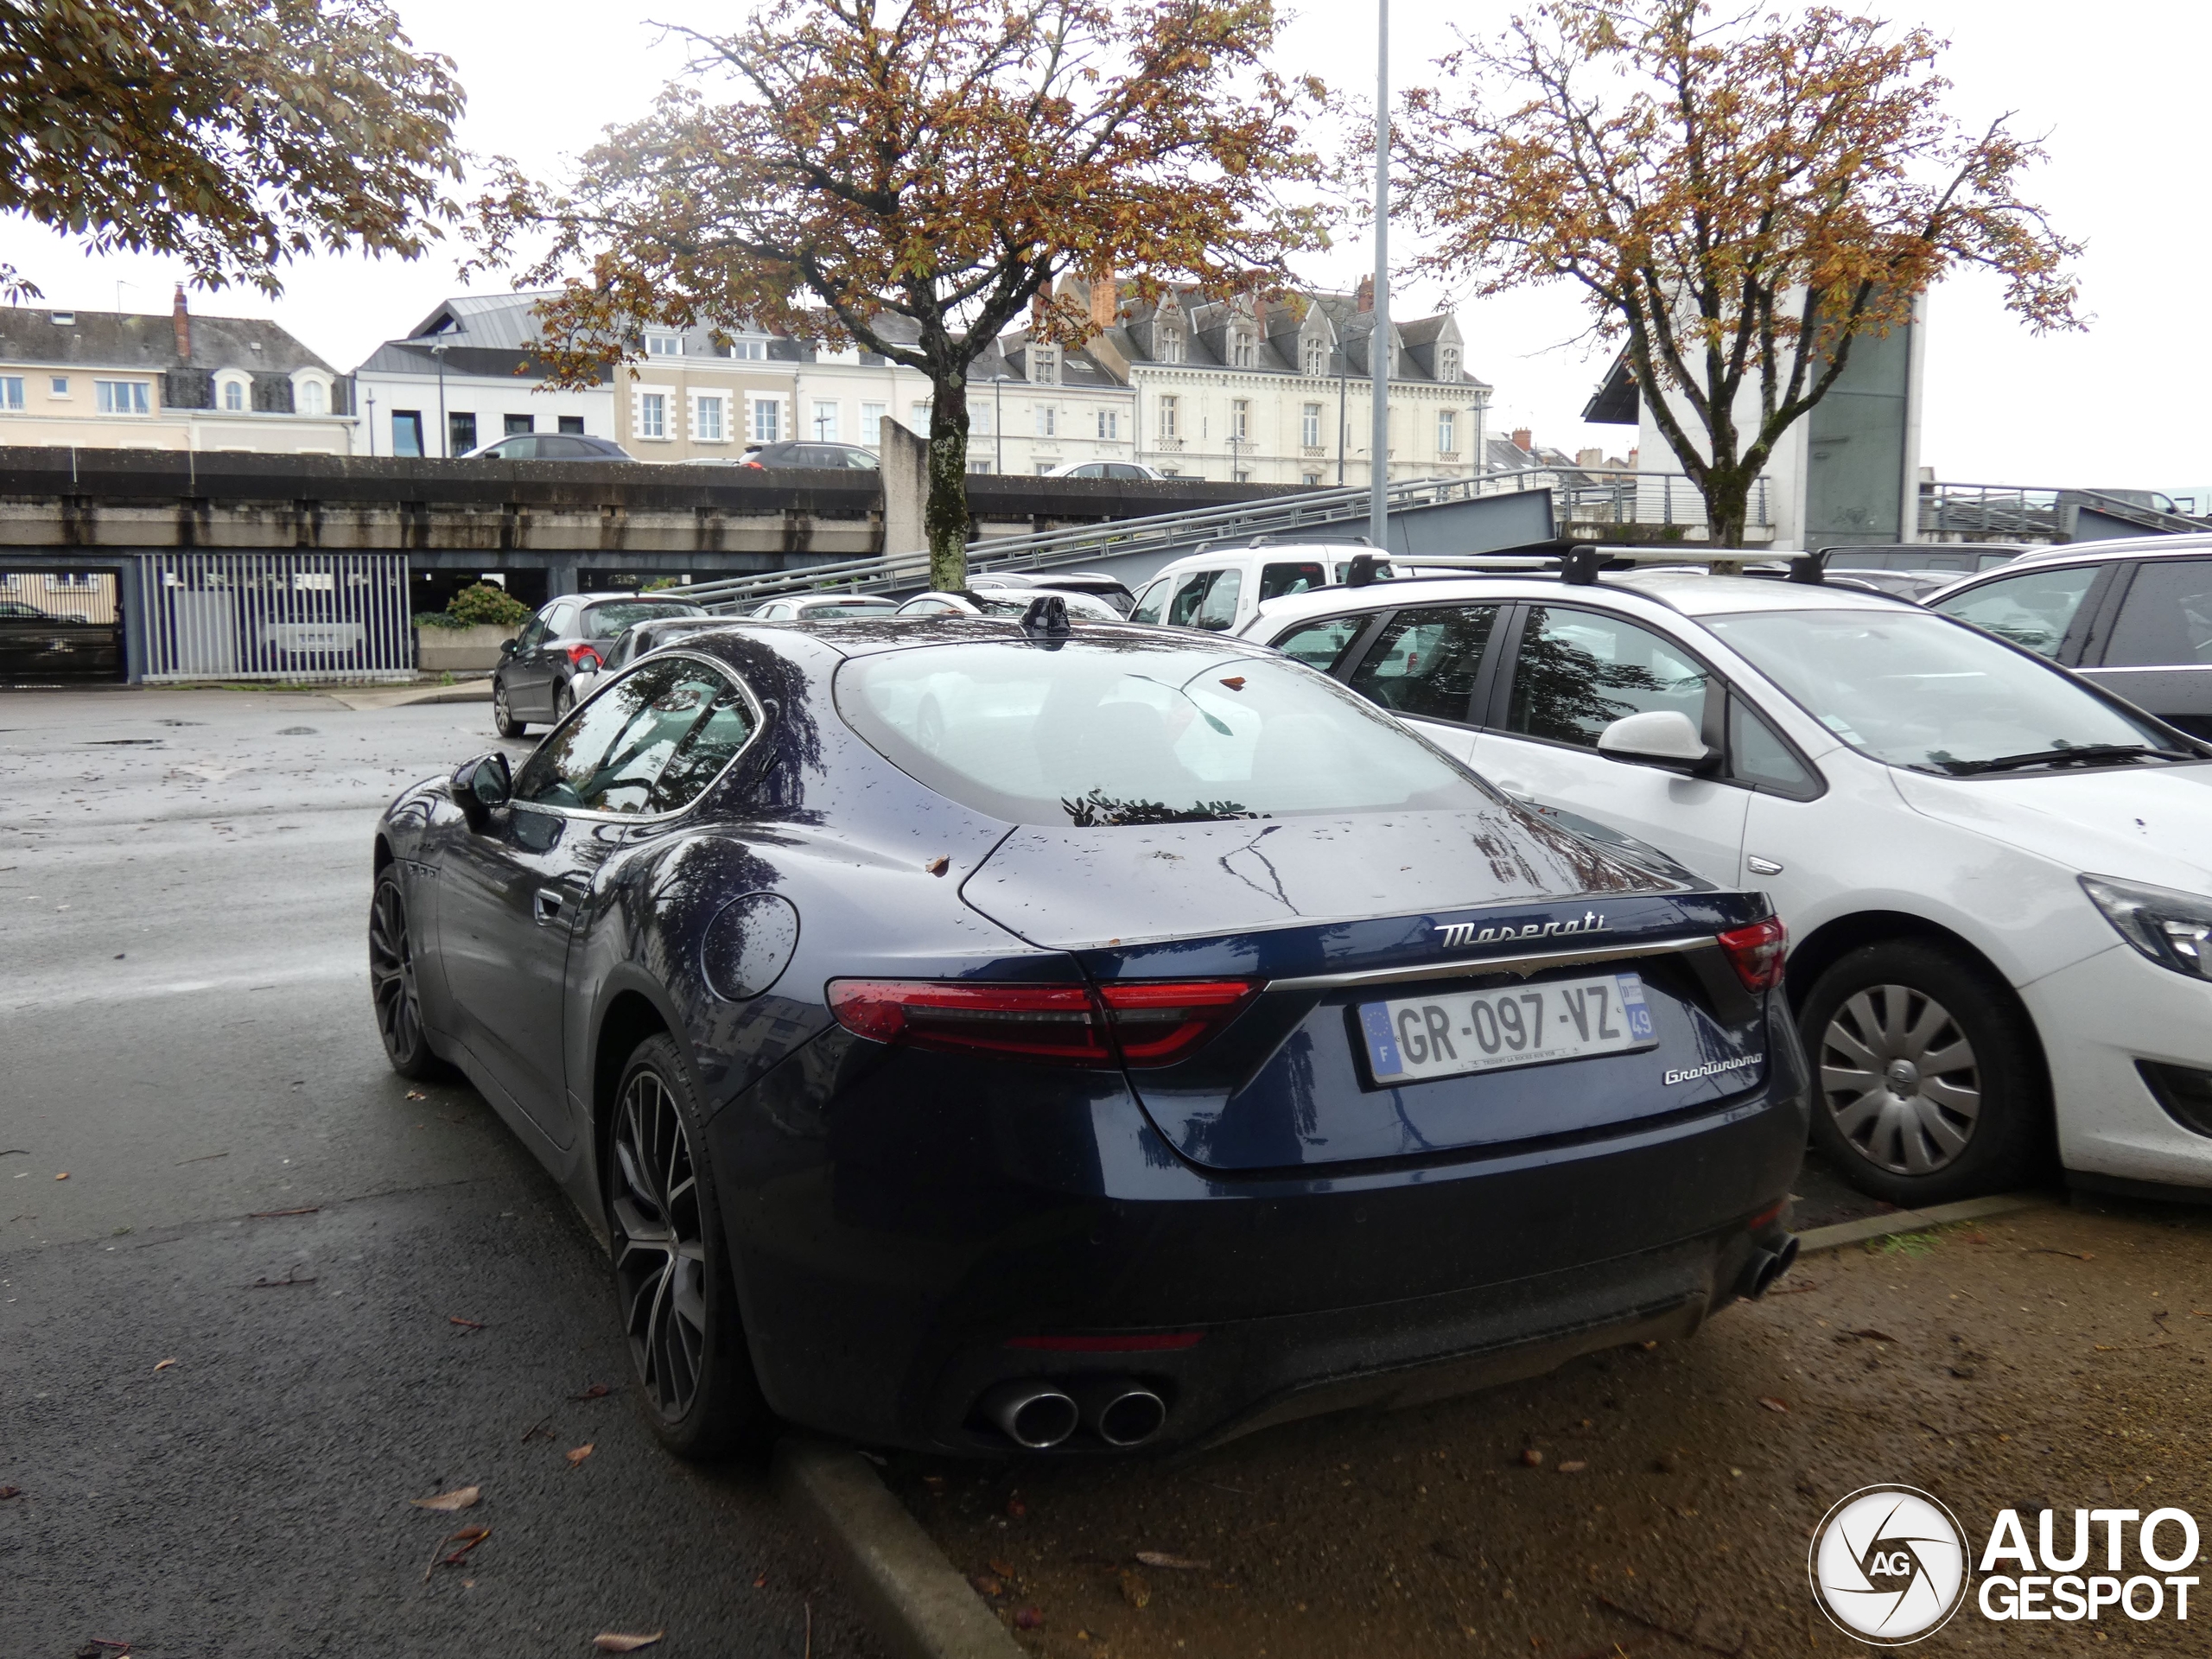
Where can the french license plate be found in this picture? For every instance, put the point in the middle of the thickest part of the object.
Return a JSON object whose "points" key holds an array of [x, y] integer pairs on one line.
{"points": [[1488, 1031]]}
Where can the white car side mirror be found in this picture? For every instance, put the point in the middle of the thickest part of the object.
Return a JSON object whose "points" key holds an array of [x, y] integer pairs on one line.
{"points": [[1659, 737]]}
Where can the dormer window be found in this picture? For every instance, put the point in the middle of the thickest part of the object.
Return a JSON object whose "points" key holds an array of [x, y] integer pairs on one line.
{"points": [[309, 398], [751, 349], [1447, 364], [1317, 355], [1044, 365], [1243, 350], [234, 396], [663, 345], [1171, 341]]}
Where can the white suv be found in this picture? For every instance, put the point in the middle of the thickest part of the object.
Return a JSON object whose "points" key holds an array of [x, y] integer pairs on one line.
{"points": [[1997, 878], [1222, 588]]}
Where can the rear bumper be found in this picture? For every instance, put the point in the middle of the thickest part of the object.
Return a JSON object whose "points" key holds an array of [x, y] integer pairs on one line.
{"points": [[891, 1245]]}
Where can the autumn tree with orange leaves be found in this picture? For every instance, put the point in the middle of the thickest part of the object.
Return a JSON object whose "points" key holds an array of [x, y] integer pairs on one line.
{"points": [[835, 164], [1739, 200]]}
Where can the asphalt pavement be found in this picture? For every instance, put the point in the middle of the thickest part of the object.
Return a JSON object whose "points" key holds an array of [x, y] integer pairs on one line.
{"points": [[368, 1290]]}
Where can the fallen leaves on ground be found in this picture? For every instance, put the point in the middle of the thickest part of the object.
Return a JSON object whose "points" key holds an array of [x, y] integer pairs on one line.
{"points": [[63, 1176], [1134, 1590], [1573, 1466], [1773, 1404], [416, 1094], [1004, 1569], [1532, 1458], [1016, 1508], [1028, 1618], [596, 1391], [615, 1642], [580, 1454], [473, 1325], [986, 1585], [1172, 1563], [162, 1365], [461, 1497], [6, 1492], [467, 1538]]}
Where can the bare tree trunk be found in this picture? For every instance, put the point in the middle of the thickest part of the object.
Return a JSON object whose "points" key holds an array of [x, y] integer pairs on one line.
{"points": [[1727, 505], [945, 515]]}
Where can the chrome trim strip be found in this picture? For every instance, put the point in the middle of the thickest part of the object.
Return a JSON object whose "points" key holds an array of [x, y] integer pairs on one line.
{"points": [[1532, 961]]}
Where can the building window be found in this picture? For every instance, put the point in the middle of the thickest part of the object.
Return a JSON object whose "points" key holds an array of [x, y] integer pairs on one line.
{"points": [[573, 424], [665, 345], [652, 414], [234, 395], [767, 420], [12, 391], [58, 385], [826, 423], [1447, 431], [1168, 414], [120, 397], [707, 425], [1048, 421], [1311, 477], [406, 431], [1447, 364], [1317, 356], [1240, 419], [1110, 424], [921, 419], [460, 432], [1043, 467], [750, 351], [511, 424], [1044, 365], [1243, 352], [1309, 426], [310, 398], [871, 424], [1171, 342], [983, 466]]}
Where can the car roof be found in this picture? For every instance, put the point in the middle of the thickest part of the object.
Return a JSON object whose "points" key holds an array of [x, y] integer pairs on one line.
{"points": [[1289, 552], [2118, 547], [1688, 592]]}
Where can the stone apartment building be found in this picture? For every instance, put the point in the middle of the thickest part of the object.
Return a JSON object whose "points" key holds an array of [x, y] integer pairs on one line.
{"points": [[121, 380]]}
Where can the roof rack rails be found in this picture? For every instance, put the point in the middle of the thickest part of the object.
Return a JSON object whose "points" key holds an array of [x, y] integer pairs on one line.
{"points": [[1580, 566]]}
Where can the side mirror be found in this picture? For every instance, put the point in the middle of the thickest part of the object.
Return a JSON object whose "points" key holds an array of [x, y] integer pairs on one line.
{"points": [[1660, 737], [508, 648], [481, 785]]}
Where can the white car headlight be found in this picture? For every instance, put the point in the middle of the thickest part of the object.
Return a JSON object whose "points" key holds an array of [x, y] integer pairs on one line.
{"points": [[2173, 929]]}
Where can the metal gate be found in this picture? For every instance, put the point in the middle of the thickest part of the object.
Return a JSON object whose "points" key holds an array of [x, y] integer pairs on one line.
{"points": [[277, 616], [59, 627]]}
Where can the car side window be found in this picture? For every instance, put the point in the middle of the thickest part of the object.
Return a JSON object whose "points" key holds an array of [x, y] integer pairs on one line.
{"points": [[1191, 592], [609, 756], [1426, 661], [1150, 601], [2166, 617], [560, 622], [710, 745], [2034, 609], [533, 634], [1757, 756], [1278, 579], [1218, 609], [1318, 645], [1578, 671]]}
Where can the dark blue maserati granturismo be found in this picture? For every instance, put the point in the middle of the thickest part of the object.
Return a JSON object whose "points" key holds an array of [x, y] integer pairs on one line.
{"points": [[977, 1035]]}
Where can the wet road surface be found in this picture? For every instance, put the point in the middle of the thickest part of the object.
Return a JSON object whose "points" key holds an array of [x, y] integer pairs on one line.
{"points": [[185, 1034]]}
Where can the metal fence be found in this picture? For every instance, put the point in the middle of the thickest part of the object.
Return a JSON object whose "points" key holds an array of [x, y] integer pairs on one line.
{"points": [[2021, 513], [59, 627], [277, 616]]}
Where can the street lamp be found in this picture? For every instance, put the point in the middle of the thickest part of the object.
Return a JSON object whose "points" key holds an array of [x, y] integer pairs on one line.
{"points": [[1378, 343]]}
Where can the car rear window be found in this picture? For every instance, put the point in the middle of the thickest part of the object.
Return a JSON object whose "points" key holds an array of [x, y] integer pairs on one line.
{"points": [[605, 621], [1134, 730]]}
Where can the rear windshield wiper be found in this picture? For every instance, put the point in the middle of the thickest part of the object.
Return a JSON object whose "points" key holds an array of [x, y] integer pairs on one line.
{"points": [[2083, 753]]}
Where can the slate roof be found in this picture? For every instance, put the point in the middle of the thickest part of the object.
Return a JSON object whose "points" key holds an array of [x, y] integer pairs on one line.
{"points": [[122, 340]]}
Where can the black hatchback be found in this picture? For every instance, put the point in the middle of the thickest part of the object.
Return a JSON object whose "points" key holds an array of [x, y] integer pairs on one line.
{"points": [[980, 1036], [544, 670]]}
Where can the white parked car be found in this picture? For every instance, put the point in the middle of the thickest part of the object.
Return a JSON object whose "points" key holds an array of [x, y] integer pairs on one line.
{"points": [[1222, 588], [1011, 602], [1997, 878], [1126, 471]]}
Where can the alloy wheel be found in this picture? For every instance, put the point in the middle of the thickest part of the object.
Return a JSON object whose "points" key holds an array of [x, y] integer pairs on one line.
{"points": [[391, 974], [1901, 1079], [660, 1253]]}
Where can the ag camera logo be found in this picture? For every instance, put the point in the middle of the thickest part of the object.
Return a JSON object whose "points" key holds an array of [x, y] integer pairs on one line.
{"points": [[1889, 1564]]}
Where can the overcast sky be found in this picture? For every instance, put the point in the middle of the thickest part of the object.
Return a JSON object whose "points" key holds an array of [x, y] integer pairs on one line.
{"points": [[2118, 88]]}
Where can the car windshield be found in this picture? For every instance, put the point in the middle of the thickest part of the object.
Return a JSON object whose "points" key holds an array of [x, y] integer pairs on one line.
{"points": [[1137, 729], [605, 621], [846, 608], [1920, 691]]}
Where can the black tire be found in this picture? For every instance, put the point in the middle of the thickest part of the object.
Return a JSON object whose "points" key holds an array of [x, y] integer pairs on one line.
{"points": [[1928, 1082], [564, 699], [503, 719], [673, 1288], [392, 982]]}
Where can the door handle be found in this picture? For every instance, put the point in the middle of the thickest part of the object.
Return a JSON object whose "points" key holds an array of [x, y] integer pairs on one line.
{"points": [[1517, 790], [546, 905]]}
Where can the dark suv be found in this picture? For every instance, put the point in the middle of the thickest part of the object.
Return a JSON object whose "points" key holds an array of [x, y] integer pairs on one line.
{"points": [[535, 682], [828, 456]]}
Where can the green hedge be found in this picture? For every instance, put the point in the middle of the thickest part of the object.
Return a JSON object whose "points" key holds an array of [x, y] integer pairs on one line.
{"points": [[484, 605]]}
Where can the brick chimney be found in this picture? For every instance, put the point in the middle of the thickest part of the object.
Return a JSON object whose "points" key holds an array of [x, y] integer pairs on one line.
{"points": [[1524, 439], [1103, 300], [180, 316], [1365, 294]]}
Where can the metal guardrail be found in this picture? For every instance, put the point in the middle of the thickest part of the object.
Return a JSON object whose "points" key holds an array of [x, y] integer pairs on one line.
{"points": [[1579, 495], [2018, 512]]}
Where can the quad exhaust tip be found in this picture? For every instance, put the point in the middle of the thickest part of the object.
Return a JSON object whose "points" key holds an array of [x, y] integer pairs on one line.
{"points": [[1033, 1414], [1121, 1413]]}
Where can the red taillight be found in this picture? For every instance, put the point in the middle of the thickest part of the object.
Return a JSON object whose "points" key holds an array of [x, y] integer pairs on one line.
{"points": [[1145, 1023], [1157, 1022], [584, 657], [1755, 952]]}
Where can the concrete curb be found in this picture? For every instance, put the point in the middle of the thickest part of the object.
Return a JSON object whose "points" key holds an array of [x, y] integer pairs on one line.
{"points": [[1915, 1221], [466, 691], [914, 1600]]}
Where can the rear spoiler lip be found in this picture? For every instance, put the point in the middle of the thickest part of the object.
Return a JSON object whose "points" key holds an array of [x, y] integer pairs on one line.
{"points": [[1522, 964]]}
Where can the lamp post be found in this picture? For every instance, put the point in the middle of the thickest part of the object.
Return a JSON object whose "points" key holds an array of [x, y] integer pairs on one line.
{"points": [[445, 433], [1378, 343]]}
